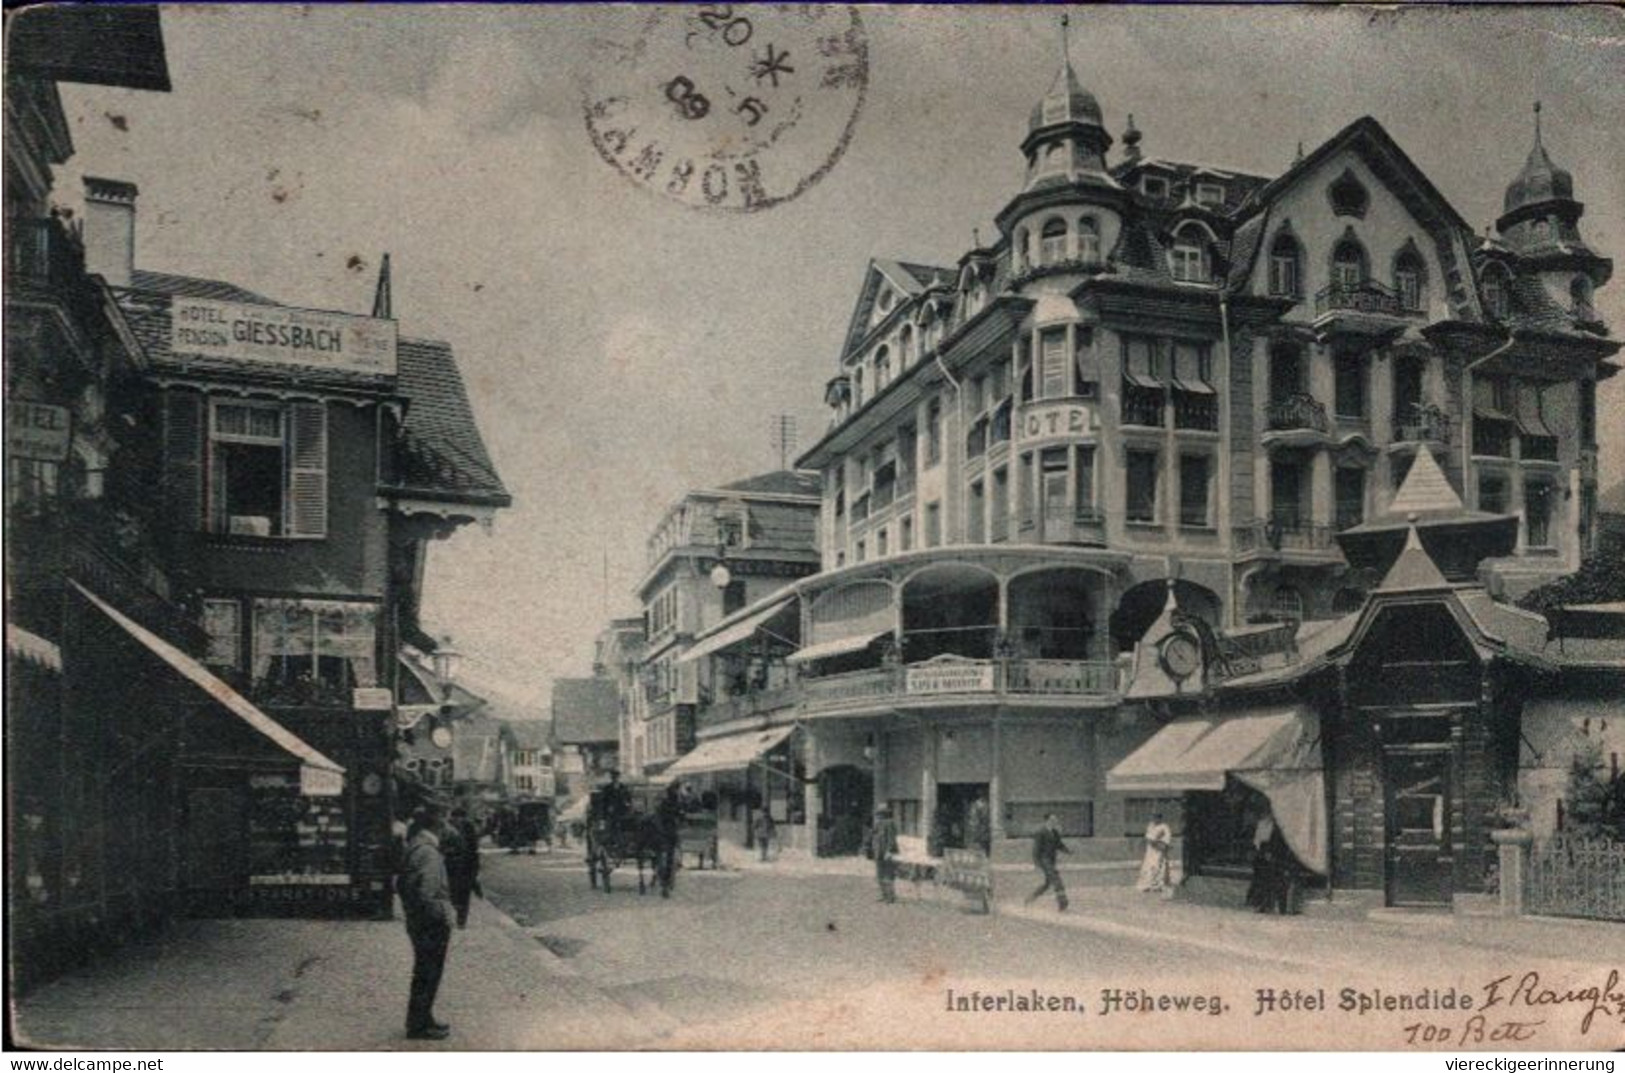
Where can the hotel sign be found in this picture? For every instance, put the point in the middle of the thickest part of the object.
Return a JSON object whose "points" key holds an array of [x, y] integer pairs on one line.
{"points": [[280, 335], [37, 431], [949, 675], [1054, 420]]}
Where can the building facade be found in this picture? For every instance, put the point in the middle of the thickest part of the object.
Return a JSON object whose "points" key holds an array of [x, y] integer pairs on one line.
{"points": [[1161, 381], [712, 554]]}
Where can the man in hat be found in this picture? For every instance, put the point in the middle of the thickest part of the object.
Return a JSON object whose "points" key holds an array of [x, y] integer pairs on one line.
{"points": [[1047, 844], [617, 800], [883, 843], [426, 899]]}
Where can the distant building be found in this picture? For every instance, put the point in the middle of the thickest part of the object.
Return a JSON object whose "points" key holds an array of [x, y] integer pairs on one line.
{"points": [[586, 734], [714, 552], [527, 759]]}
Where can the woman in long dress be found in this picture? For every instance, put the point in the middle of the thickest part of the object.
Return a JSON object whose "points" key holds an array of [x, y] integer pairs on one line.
{"points": [[1154, 868]]}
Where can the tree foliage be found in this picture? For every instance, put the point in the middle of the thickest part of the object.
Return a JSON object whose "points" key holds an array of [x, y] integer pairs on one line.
{"points": [[1600, 579], [1594, 802]]}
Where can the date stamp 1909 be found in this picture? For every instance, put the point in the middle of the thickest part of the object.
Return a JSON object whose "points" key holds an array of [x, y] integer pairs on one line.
{"points": [[729, 107]]}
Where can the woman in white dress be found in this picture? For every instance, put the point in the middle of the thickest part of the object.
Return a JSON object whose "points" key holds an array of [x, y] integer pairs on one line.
{"points": [[1154, 868]]}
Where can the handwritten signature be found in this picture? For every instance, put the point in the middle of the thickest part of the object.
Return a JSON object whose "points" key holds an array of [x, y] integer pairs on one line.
{"points": [[1608, 999]]}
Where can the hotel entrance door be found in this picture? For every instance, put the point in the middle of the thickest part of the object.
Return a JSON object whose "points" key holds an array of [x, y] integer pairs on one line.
{"points": [[1419, 860]]}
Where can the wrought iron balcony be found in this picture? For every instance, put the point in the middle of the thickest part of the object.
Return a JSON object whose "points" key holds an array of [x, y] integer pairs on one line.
{"points": [[1142, 406], [1492, 438], [992, 679], [1421, 422], [1193, 410], [1299, 410], [1285, 533]]}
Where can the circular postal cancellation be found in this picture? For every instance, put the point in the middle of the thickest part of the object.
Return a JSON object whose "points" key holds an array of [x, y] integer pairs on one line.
{"points": [[728, 107]]}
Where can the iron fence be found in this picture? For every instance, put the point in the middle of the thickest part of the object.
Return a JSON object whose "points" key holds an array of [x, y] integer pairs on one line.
{"points": [[1577, 877]]}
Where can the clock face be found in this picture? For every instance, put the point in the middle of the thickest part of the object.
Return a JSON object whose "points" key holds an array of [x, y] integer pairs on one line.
{"points": [[1180, 655], [371, 783], [441, 737]]}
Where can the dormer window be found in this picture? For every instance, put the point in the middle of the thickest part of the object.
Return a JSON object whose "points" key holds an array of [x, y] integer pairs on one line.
{"points": [[1052, 243], [1410, 279], [1209, 194], [1188, 259], [1286, 266], [1154, 186], [1349, 196]]}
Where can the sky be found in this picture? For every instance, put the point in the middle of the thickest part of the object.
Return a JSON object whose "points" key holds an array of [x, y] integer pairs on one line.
{"points": [[621, 348]]}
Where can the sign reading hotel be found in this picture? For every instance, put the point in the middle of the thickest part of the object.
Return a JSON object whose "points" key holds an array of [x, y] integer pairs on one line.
{"points": [[950, 675], [1055, 420], [37, 431], [279, 335]]}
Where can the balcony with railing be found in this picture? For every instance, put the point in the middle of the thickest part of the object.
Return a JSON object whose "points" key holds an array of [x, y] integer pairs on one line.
{"points": [[1296, 412], [991, 680], [1064, 525], [1420, 422], [1196, 411], [1142, 406], [1285, 534], [1364, 308]]}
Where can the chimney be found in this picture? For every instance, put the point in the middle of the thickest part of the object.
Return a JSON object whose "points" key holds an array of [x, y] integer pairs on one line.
{"points": [[109, 229]]}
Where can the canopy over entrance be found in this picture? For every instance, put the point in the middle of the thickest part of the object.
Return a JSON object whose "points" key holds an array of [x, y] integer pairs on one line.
{"points": [[318, 776], [1276, 751], [733, 753]]}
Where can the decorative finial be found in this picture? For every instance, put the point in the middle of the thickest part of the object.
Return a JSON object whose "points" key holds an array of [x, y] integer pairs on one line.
{"points": [[1066, 54], [1131, 141], [976, 237], [1299, 158], [1537, 122]]}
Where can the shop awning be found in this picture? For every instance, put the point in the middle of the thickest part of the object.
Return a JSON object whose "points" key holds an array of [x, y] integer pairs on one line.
{"points": [[1197, 752], [318, 776], [1276, 751], [1193, 385], [1529, 419], [33, 648], [1142, 380], [735, 633], [839, 647], [732, 753]]}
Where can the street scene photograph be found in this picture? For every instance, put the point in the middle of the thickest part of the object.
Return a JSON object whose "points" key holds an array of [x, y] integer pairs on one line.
{"points": [[809, 527]]}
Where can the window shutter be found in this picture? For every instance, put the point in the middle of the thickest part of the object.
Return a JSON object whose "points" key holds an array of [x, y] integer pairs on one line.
{"points": [[307, 469], [183, 458]]}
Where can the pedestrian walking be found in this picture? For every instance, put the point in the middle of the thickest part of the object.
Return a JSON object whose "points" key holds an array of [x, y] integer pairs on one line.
{"points": [[462, 854], [1046, 845], [765, 831], [1288, 876], [1154, 866], [883, 847], [426, 900], [979, 827]]}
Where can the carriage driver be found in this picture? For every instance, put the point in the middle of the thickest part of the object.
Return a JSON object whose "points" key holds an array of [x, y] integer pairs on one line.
{"points": [[616, 799]]}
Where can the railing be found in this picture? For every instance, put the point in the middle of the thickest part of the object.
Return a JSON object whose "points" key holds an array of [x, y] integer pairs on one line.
{"points": [[1577, 877], [1284, 535], [1421, 423], [1298, 410], [1062, 676], [1492, 437], [1142, 406], [1538, 448], [1065, 525], [750, 703], [990, 678], [1193, 410], [1368, 296]]}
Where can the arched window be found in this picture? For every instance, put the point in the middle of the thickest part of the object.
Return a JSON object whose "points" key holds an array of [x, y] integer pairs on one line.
{"points": [[1410, 279], [1348, 265], [1188, 258], [857, 386], [1018, 252], [1348, 195], [1496, 288], [1053, 242], [882, 369], [907, 345], [1286, 275], [1088, 240], [1287, 604]]}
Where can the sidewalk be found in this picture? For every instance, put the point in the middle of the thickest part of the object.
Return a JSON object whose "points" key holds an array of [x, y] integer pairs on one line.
{"points": [[316, 984]]}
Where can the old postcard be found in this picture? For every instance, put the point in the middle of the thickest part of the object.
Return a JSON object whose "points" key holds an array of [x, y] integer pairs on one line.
{"points": [[806, 526]]}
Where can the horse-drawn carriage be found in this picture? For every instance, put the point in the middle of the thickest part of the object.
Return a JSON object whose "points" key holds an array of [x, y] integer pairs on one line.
{"points": [[619, 832]]}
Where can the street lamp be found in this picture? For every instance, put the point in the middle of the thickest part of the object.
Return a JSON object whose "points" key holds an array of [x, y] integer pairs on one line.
{"points": [[445, 659]]}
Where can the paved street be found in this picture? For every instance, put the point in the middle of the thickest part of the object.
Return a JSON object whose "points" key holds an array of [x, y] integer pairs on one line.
{"points": [[770, 959]]}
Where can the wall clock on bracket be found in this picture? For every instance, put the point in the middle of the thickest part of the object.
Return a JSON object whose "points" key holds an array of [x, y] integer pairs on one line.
{"points": [[1180, 655], [441, 737]]}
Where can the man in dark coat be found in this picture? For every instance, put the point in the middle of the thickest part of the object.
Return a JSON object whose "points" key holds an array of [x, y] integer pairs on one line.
{"points": [[426, 900], [883, 846], [462, 853], [1046, 845]]}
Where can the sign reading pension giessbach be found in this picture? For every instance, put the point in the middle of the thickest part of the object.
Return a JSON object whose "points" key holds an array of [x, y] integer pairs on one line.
{"points": [[204, 327]]}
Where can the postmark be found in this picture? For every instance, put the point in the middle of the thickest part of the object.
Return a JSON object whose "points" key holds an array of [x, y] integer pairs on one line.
{"points": [[728, 107]]}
